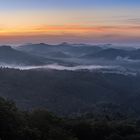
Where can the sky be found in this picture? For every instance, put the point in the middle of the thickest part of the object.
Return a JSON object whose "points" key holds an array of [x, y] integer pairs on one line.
{"points": [[76, 21]]}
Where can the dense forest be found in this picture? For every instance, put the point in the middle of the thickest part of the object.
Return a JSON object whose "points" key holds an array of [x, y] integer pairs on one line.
{"points": [[43, 125], [83, 104], [72, 92], [68, 105]]}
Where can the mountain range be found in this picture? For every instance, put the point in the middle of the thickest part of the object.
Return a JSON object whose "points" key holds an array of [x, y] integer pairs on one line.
{"points": [[66, 54], [71, 78]]}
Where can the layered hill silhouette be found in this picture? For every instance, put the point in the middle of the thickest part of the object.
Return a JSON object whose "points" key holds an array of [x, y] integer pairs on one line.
{"points": [[11, 56], [112, 53], [65, 54], [66, 50], [62, 50]]}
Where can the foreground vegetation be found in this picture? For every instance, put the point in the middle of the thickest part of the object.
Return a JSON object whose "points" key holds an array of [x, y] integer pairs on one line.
{"points": [[43, 125]]}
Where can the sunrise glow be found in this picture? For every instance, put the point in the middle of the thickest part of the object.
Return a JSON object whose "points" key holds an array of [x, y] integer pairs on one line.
{"points": [[81, 21]]}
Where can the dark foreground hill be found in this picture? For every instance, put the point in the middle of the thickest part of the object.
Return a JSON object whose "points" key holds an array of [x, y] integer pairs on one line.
{"points": [[71, 92], [43, 125]]}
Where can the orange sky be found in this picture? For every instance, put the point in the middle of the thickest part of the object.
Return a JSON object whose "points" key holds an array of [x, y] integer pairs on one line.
{"points": [[90, 25]]}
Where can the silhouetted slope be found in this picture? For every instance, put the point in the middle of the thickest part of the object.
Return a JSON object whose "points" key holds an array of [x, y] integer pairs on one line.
{"points": [[11, 56], [40, 124]]}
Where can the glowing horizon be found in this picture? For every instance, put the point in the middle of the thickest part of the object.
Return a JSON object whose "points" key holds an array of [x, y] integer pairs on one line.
{"points": [[85, 21]]}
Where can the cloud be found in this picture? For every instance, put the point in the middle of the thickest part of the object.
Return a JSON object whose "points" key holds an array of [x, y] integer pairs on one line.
{"points": [[133, 21], [71, 33], [63, 29]]}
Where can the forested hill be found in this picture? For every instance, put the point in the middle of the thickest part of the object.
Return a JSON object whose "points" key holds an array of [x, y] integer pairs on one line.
{"points": [[43, 125], [71, 92]]}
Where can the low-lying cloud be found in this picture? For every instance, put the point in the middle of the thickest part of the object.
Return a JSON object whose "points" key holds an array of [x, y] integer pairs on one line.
{"points": [[61, 67]]}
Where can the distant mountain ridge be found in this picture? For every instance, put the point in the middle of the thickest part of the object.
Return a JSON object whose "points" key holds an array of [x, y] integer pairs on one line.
{"points": [[80, 51], [109, 53], [68, 50], [65, 54], [9, 55]]}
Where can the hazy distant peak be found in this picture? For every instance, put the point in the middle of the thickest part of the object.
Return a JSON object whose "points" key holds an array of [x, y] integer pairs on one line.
{"points": [[80, 44], [64, 44], [39, 44], [42, 44]]}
